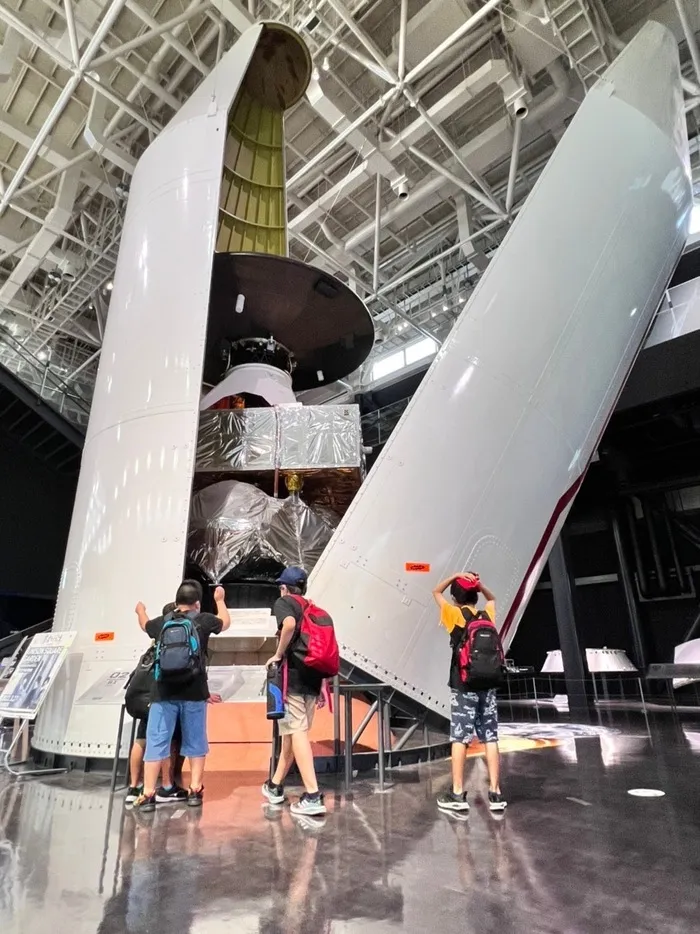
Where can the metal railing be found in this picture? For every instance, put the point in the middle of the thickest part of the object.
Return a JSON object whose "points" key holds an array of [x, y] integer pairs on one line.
{"points": [[36, 374]]}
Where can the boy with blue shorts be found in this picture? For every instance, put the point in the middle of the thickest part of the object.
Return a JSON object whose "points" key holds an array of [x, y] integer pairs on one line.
{"points": [[472, 711], [184, 701]]}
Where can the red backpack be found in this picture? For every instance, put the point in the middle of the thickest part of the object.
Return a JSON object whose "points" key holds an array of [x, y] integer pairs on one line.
{"points": [[481, 657], [315, 644]]}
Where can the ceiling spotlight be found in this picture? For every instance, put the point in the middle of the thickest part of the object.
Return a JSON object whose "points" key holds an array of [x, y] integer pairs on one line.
{"points": [[315, 74], [240, 302], [325, 64], [460, 299], [319, 376], [445, 306], [94, 75], [109, 286], [42, 355]]}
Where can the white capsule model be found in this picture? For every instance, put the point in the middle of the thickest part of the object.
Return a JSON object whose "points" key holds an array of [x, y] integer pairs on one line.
{"points": [[484, 465]]}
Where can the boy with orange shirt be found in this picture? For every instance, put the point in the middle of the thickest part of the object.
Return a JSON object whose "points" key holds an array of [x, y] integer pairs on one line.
{"points": [[474, 705]]}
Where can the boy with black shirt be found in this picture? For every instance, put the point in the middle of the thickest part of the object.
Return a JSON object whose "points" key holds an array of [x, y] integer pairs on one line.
{"points": [[303, 690], [471, 711], [171, 790], [184, 701]]}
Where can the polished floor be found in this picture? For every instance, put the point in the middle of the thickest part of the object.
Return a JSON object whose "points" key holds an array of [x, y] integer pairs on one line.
{"points": [[575, 853]]}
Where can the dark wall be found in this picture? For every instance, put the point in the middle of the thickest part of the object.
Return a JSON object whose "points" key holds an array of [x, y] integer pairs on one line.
{"points": [[602, 615], [35, 511]]}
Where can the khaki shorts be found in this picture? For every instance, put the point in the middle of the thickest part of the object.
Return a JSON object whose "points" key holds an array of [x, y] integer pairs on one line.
{"points": [[299, 714]]}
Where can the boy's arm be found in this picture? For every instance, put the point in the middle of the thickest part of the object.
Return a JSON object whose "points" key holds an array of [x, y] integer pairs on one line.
{"points": [[487, 594], [142, 615], [443, 585], [439, 590], [221, 610], [286, 635]]}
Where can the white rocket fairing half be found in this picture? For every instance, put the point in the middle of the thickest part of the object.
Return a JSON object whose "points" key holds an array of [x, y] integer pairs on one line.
{"points": [[483, 467], [129, 525]]}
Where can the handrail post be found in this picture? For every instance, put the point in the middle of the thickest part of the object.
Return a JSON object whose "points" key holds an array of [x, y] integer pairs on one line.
{"points": [[348, 740]]}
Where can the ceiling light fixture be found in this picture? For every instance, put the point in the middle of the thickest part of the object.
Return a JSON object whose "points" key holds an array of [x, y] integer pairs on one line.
{"points": [[109, 286], [326, 64], [315, 74]]}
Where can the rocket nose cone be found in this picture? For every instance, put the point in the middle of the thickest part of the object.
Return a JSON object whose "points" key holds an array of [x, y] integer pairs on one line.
{"points": [[646, 75]]}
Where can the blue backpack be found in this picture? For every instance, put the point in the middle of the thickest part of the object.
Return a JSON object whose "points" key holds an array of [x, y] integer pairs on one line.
{"points": [[178, 649]]}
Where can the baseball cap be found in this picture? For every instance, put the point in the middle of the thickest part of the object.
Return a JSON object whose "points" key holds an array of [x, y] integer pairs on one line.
{"points": [[469, 583], [293, 577]]}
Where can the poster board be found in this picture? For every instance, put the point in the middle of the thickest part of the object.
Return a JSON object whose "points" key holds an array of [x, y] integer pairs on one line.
{"points": [[37, 669]]}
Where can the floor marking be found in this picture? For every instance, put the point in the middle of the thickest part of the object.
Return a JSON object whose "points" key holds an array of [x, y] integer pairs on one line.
{"points": [[586, 804]]}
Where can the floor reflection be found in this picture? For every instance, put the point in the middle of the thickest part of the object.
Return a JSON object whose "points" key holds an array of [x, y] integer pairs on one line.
{"points": [[575, 853]]}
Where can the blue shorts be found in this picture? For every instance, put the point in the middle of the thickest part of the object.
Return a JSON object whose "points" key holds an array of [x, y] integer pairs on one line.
{"points": [[162, 720], [474, 712]]}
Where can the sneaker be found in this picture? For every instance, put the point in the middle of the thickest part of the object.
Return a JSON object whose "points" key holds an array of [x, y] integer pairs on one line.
{"points": [[145, 803], [309, 804], [195, 798], [496, 801], [172, 795], [449, 801], [273, 793], [133, 793]]}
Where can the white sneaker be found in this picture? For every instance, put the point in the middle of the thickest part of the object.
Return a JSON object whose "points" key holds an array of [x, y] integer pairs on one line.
{"points": [[311, 805], [273, 793]]}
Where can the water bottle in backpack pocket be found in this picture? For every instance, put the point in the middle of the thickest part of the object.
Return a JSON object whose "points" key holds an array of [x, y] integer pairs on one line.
{"points": [[178, 649], [481, 657], [274, 691]]}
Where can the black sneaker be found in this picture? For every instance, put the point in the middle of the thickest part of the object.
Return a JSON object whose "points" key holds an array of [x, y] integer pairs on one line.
{"points": [[133, 793], [195, 798], [311, 805], [496, 801], [273, 793], [172, 795], [449, 801], [144, 804]]}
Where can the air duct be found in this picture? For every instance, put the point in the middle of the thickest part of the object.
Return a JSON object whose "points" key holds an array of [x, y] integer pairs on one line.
{"points": [[56, 221], [94, 135]]}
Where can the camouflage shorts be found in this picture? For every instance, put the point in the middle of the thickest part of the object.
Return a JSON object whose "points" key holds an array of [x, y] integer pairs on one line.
{"points": [[474, 712]]}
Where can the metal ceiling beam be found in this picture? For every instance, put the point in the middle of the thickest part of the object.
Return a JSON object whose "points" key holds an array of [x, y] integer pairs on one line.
{"points": [[513, 168], [363, 38], [64, 97], [172, 40], [72, 33], [690, 39], [151, 33], [438, 52]]}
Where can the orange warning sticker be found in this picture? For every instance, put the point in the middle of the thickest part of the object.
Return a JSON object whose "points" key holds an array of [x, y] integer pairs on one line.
{"points": [[104, 637], [417, 567]]}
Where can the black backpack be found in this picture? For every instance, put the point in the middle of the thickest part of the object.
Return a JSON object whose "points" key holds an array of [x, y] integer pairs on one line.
{"points": [[480, 655], [139, 687]]}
